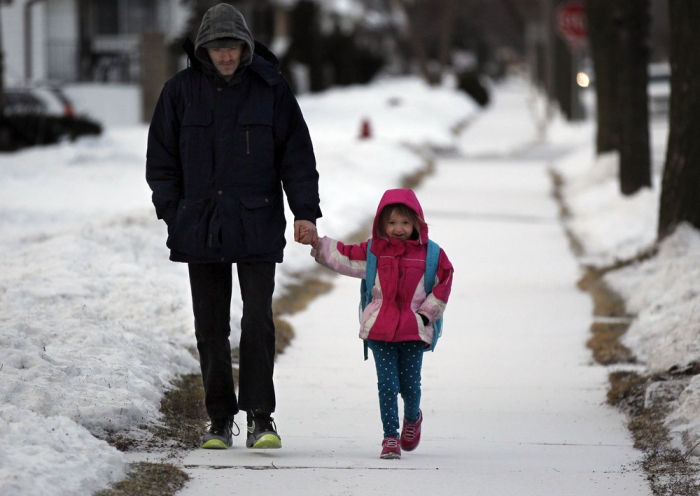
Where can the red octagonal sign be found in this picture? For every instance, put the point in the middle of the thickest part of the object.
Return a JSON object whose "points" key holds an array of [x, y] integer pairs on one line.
{"points": [[571, 24]]}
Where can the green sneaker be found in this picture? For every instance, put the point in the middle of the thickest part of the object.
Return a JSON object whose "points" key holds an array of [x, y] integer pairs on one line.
{"points": [[262, 433], [220, 435]]}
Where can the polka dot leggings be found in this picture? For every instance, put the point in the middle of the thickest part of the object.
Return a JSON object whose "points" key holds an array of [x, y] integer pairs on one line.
{"points": [[398, 371]]}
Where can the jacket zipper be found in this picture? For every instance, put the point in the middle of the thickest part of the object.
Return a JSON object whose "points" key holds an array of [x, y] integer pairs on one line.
{"points": [[247, 140]]}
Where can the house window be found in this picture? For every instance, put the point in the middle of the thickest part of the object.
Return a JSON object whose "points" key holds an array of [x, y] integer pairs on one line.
{"points": [[106, 16], [140, 15], [113, 17]]}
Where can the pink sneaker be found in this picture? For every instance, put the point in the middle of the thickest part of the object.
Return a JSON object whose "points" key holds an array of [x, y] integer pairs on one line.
{"points": [[390, 449], [410, 434]]}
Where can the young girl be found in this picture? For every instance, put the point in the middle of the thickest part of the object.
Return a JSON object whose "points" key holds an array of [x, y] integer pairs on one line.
{"points": [[397, 323]]}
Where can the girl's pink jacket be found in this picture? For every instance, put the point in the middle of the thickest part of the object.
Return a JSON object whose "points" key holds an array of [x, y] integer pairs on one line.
{"points": [[398, 294]]}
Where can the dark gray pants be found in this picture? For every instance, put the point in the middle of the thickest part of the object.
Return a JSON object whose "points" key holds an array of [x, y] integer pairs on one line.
{"points": [[211, 286]]}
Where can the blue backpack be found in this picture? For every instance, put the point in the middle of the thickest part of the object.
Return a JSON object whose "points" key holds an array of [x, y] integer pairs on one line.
{"points": [[431, 265]]}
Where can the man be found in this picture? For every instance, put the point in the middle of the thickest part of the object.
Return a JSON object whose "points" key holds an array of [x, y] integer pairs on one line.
{"points": [[227, 136]]}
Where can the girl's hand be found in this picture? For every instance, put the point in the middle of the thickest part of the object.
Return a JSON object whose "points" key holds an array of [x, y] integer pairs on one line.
{"points": [[305, 232]]}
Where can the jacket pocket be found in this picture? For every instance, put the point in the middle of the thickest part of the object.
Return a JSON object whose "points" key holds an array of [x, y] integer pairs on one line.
{"points": [[194, 232], [196, 140], [257, 140], [263, 224]]}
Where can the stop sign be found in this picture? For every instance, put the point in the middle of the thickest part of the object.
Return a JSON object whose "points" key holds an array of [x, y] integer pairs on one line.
{"points": [[571, 24]]}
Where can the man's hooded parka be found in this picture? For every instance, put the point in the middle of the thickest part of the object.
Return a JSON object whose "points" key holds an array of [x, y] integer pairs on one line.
{"points": [[220, 153]]}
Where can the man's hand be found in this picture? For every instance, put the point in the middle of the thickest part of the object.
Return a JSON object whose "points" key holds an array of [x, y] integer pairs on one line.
{"points": [[305, 232]]}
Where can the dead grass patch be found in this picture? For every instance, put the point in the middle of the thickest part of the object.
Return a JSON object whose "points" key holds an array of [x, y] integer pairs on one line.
{"points": [[415, 179], [296, 297], [149, 479], [557, 185], [184, 414], [284, 333], [564, 211], [460, 126], [181, 426], [606, 302], [605, 344], [669, 471]]}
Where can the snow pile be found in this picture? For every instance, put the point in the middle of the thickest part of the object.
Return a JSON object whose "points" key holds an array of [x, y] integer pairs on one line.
{"points": [[55, 456], [663, 291], [609, 226], [89, 329], [95, 322]]}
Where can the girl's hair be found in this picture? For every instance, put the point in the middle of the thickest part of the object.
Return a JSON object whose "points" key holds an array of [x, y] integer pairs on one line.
{"points": [[401, 209]]}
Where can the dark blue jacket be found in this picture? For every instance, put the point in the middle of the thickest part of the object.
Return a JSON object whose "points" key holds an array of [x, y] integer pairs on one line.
{"points": [[219, 155]]}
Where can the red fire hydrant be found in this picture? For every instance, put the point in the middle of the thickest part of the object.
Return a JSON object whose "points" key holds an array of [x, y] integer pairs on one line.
{"points": [[365, 129]]}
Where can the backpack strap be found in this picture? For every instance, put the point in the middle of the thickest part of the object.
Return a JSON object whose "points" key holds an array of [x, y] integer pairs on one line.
{"points": [[432, 260], [367, 284], [370, 275], [431, 265]]}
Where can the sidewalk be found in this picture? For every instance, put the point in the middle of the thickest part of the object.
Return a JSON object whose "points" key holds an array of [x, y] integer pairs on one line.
{"points": [[513, 404]]}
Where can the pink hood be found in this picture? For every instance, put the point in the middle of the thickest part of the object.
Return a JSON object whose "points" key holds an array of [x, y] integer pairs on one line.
{"points": [[406, 197]]}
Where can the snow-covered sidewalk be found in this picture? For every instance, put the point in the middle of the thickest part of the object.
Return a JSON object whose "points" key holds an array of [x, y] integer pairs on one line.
{"points": [[512, 401], [95, 322]]}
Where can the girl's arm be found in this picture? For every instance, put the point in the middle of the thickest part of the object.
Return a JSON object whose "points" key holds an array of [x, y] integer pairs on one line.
{"points": [[349, 260], [434, 305]]}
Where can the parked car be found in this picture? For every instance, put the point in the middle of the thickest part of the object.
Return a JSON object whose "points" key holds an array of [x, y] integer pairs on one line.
{"points": [[23, 102], [49, 100], [39, 116]]}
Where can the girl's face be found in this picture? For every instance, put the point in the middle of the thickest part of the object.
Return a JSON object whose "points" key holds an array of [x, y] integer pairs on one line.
{"points": [[399, 226]]}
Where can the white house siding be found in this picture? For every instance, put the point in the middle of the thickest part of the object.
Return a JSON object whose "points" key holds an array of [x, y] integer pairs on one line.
{"points": [[53, 22], [55, 37], [12, 44], [61, 45]]}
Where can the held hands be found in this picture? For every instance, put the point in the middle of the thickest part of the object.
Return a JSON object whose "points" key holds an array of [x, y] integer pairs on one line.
{"points": [[305, 232]]}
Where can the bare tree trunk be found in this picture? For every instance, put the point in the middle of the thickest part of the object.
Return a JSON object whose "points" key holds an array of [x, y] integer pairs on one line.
{"points": [[563, 78], [603, 40], [680, 189], [448, 16], [411, 10], [414, 40], [632, 19], [2, 72]]}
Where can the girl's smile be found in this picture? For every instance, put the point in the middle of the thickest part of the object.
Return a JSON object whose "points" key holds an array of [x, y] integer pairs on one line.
{"points": [[399, 226]]}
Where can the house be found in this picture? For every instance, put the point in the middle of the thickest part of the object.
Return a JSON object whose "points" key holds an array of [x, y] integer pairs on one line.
{"points": [[82, 40], [99, 40], [133, 43]]}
